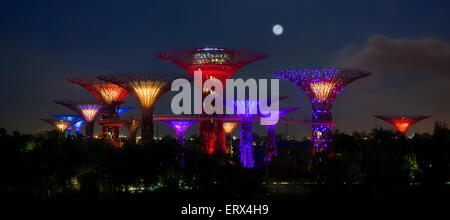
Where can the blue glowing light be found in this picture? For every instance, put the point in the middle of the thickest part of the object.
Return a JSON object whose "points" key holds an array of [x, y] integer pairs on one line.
{"points": [[122, 110]]}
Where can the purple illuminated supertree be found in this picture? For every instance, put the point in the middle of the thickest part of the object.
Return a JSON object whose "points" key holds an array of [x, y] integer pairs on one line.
{"points": [[321, 85], [215, 63], [271, 144], [147, 89], [132, 125], [180, 126], [89, 111]]}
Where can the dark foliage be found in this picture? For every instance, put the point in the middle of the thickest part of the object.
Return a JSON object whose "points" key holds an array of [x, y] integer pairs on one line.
{"points": [[381, 164]]}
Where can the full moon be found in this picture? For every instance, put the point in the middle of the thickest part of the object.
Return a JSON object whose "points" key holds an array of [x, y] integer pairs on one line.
{"points": [[277, 29]]}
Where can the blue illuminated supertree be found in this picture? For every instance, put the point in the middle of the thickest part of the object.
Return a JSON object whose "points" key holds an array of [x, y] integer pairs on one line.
{"points": [[77, 126], [89, 111], [122, 110], [321, 85], [246, 110], [72, 118], [180, 126], [271, 145]]}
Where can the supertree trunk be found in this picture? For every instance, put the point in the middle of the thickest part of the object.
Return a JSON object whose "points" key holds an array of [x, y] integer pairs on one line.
{"points": [[90, 129], [321, 137], [229, 143], [220, 135], [271, 147], [132, 137], [180, 138], [147, 126], [245, 145]]}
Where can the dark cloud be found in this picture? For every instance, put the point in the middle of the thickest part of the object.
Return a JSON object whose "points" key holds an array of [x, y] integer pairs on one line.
{"points": [[382, 54]]}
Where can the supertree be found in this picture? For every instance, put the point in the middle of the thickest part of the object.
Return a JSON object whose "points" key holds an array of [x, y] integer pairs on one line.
{"points": [[228, 127], [72, 118], [122, 110], [402, 122], [132, 125], [321, 85], [215, 63], [180, 126], [271, 144], [60, 125], [89, 111], [106, 93], [246, 110], [77, 126], [147, 89]]}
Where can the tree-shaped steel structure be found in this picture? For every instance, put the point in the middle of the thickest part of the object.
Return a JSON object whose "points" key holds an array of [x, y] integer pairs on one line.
{"points": [[89, 111], [246, 110], [271, 144], [132, 125], [215, 63], [123, 109], [106, 93], [60, 125], [180, 126], [402, 122], [321, 85], [228, 127], [147, 89], [72, 118]]}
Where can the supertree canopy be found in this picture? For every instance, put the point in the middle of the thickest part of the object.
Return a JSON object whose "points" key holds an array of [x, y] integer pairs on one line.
{"points": [[321, 85], [122, 110], [72, 118], [146, 88], [180, 126], [228, 127], [89, 111], [60, 125], [106, 93], [132, 125], [215, 63], [271, 144], [402, 122]]}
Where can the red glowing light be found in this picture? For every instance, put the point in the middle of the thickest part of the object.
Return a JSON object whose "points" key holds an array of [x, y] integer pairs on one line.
{"points": [[402, 123]]}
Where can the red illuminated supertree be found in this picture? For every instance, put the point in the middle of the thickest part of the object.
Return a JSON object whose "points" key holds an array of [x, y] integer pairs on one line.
{"points": [[215, 63], [132, 125], [321, 85], [147, 89], [89, 111], [106, 93], [402, 122]]}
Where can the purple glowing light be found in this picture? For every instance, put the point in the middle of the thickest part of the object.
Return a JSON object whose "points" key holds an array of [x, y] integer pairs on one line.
{"points": [[321, 85], [180, 126]]}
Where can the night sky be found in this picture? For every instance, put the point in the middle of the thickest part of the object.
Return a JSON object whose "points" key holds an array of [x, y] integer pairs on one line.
{"points": [[404, 43]]}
